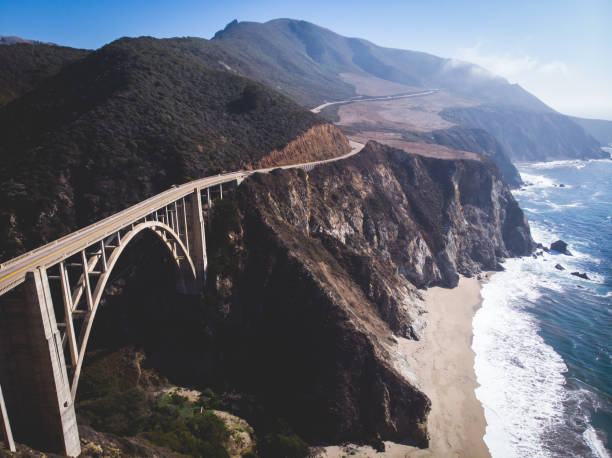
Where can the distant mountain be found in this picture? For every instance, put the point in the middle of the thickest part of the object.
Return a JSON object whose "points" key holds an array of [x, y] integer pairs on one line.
{"points": [[307, 62], [23, 66], [4, 40], [128, 120], [313, 65], [527, 135], [599, 128]]}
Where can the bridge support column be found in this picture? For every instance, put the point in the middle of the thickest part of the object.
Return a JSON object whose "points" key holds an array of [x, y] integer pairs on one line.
{"points": [[197, 243], [37, 388], [7, 435]]}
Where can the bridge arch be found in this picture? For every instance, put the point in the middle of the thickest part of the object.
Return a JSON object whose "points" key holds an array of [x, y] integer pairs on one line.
{"points": [[182, 260]]}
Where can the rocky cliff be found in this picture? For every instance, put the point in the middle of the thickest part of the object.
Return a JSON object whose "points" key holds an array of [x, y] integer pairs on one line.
{"points": [[312, 274], [323, 141], [470, 139]]}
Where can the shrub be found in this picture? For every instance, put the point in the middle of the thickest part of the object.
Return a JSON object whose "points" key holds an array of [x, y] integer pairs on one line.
{"points": [[283, 446]]}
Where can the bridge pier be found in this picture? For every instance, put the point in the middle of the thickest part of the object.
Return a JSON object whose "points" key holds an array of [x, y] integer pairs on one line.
{"points": [[34, 376], [196, 235], [7, 435]]}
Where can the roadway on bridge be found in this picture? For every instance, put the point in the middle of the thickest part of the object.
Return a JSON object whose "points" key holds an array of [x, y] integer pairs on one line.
{"points": [[13, 272]]}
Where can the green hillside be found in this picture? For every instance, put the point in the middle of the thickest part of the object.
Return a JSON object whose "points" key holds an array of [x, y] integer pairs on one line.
{"points": [[123, 123], [24, 66]]}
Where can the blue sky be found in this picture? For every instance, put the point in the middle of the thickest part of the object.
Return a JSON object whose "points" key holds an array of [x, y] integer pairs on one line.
{"points": [[559, 50]]}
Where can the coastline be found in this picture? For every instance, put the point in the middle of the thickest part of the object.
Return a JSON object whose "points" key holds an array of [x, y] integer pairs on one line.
{"points": [[443, 362]]}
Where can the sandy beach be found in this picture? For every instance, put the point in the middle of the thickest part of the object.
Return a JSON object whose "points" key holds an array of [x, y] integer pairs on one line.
{"points": [[443, 362]]}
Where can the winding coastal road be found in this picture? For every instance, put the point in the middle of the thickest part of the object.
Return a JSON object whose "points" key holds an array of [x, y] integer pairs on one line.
{"points": [[12, 272], [373, 99]]}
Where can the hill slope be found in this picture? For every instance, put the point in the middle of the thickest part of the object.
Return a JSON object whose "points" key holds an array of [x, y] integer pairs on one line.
{"points": [[4, 40], [529, 136], [24, 66], [599, 128], [313, 65], [283, 47], [125, 122]]}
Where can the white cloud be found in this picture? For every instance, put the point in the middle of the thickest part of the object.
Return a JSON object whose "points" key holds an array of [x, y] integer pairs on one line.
{"points": [[554, 67], [570, 89], [509, 66]]}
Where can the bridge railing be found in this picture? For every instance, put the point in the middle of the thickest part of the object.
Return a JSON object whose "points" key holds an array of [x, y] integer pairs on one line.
{"points": [[12, 272]]}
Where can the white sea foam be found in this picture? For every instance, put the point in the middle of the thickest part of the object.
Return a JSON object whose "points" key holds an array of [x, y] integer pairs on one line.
{"points": [[520, 376], [595, 443], [522, 386], [559, 207], [546, 236], [575, 163], [537, 181]]}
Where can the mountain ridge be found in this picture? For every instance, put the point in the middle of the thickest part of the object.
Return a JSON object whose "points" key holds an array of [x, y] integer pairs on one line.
{"points": [[11, 40], [127, 121], [356, 54], [313, 65]]}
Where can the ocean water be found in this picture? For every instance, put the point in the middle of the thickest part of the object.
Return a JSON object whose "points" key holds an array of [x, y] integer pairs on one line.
{"points": [[543, 338]]}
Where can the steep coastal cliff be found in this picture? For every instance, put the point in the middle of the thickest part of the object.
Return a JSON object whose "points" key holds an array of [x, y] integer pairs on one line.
{"points": [[312, 274], [312, 278], [476, 140]]}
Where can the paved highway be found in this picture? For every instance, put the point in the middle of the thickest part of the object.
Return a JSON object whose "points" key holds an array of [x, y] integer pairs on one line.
{"points": [[372, 99], [13, 272]]}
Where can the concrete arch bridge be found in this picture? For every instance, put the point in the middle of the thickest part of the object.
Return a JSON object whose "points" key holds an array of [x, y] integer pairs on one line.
{"points": [[45, 328]]}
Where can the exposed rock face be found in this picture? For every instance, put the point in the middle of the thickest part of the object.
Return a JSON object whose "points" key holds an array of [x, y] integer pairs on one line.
{"points": [[478, 141], [560, 246], [323, 141], [326, 268], [581, 275]]}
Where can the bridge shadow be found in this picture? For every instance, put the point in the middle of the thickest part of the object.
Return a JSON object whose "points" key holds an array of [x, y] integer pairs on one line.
{"points": [[142, 309]]}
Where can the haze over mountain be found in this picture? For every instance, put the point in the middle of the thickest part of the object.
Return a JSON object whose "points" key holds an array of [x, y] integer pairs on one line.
{"points": [[599, 128], [313, 65]]}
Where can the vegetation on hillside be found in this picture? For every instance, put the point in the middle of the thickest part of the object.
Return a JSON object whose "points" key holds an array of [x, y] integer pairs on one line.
{"points": [[24, 66], [123, 123], [110, 404]]}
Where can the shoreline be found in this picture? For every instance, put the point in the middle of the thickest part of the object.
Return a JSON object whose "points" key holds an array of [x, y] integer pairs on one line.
{"points": [[443, 362]]}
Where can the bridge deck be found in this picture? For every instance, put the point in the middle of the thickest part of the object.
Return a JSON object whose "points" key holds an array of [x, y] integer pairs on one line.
{"points": [[13, 272]]}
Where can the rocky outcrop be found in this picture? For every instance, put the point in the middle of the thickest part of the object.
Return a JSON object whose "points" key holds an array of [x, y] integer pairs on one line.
{"points": [[476, 140], [321, 269], [582, 275], [323, 141], [560, 247]]}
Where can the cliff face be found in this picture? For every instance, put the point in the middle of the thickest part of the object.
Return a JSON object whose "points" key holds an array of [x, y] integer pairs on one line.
{"points": [[476, 140], [529, 136], [314, 273], [320, 142]]}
